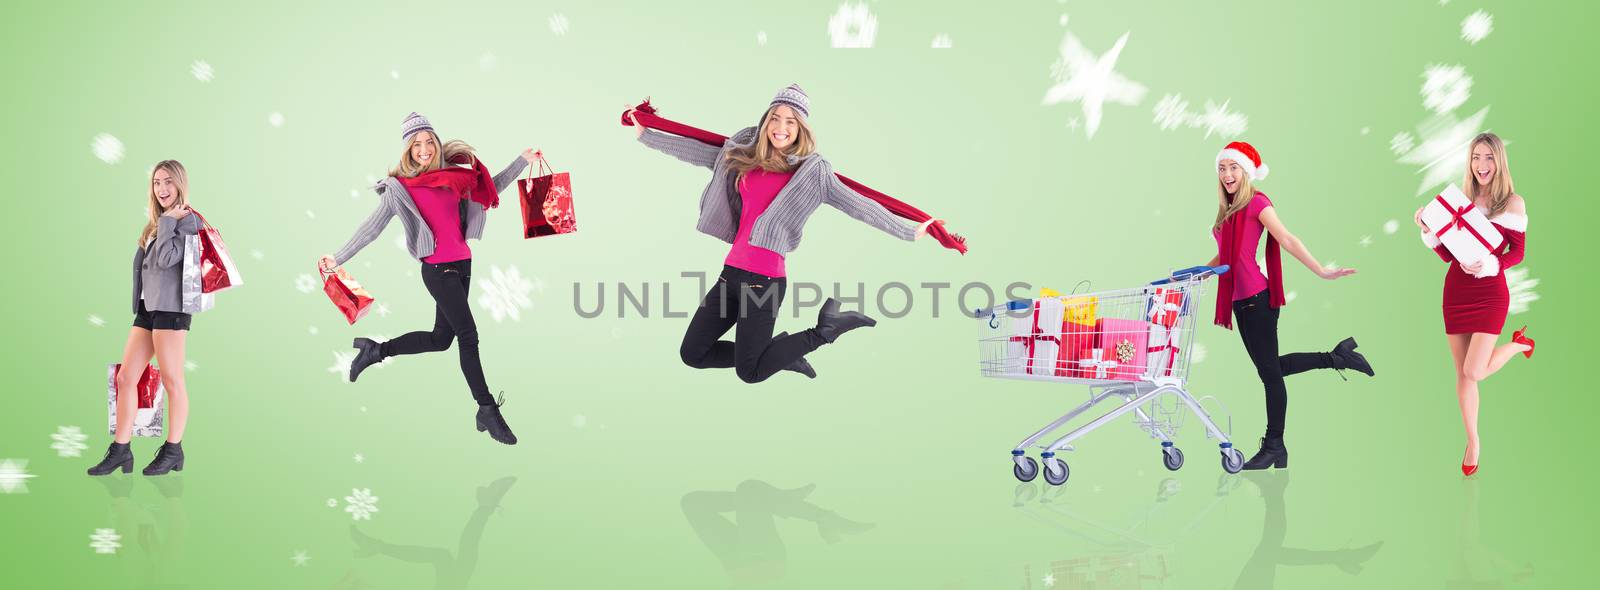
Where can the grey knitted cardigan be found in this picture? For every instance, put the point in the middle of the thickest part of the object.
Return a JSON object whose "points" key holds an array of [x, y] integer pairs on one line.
{"points": [[395, 201], [778, 228]]}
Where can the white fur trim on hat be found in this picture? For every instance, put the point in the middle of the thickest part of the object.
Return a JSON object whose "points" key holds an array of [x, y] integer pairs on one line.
{"points": [[1250, 168], [1512, 221]]}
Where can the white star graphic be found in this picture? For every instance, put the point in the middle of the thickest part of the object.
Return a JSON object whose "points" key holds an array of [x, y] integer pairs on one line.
{"points": [[341, 363], [1049, 579], [360, 458], [1083, 78], [300, 558], [1442, 153]]}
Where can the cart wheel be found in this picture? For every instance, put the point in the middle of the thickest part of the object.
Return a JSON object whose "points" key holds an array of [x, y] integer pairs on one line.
{"points": [[1232, 460], [1172, 457], [1025, 473], [1056, 472]]}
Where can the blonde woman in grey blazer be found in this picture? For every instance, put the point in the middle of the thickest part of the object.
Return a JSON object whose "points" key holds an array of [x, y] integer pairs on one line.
{"points": [[160, 328]]}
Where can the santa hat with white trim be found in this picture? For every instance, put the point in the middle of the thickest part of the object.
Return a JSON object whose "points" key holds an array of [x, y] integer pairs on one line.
{"points": [[1246, 156]]}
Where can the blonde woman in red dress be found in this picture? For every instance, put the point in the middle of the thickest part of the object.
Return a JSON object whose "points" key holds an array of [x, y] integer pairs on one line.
{"points": [[1476, 298]]}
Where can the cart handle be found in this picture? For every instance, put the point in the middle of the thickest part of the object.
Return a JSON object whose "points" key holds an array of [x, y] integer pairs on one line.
{"points": [[1014, 305], [1193, 273]]}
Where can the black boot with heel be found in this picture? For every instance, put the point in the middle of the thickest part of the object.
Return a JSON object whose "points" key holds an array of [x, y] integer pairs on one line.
{"points": [[118, 456], [1272, 454], [169, 458]]}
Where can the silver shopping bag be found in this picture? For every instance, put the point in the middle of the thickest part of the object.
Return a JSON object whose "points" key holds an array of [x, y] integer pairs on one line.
{"points": [[192, 294], [148, 419]]}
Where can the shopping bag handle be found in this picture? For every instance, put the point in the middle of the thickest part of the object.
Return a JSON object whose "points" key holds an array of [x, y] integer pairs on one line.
{"points": [[543, 165], [1193, 273]]}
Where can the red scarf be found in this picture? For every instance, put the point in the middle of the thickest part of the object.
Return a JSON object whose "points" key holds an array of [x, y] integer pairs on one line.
{"points": [[1232, 233], [646, 116], [474, 184]]}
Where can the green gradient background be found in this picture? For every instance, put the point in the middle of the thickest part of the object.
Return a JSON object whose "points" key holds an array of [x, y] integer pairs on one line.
{"points": [[899, 430]]}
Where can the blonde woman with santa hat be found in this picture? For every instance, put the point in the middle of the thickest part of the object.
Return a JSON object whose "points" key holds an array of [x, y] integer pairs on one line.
{"points": [[1253, 296]]}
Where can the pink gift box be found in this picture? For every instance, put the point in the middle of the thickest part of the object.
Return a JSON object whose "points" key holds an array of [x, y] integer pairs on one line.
{"points": [[1127, 342]]}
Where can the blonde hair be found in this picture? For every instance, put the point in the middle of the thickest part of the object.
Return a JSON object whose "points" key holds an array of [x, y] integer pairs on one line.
{"points": [[180, 180], [1226, 208], [455, 152], [1499, 190], [762, 155]]}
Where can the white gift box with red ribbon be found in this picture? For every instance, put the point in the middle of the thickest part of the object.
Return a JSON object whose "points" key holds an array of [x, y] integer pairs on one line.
{"points": [[1163, 352], [1033, 344], [1462, 228], [1098, 365]]}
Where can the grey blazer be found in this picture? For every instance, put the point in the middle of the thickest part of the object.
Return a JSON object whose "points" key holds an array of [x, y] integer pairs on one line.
{"points": [[780, 226], [158, 267], [395, 201]]}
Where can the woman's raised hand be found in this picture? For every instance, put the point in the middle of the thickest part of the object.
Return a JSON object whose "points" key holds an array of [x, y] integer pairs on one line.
{"points": [[531, 156], [1334, 273], [638, 130], [177, 212], [327, 263], [922, 230]]}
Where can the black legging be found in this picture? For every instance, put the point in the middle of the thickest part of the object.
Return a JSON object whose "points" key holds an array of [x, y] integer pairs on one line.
{"points": [[750, 301], [448, 284], [1258, 327]]}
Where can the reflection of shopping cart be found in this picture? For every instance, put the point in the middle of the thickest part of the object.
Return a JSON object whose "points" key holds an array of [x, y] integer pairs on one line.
{"points": [[1132, 344]]}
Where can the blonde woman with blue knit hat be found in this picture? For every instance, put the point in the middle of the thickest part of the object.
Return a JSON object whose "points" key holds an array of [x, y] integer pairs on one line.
{"points": [[441, 194]]}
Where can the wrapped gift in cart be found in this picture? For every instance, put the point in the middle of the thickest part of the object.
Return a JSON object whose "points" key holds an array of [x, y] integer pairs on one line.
{"points": [[1136, 353]]}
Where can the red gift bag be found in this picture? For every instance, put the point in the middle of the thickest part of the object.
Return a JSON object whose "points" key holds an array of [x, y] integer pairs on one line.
{"points": [[217, 270], [147, 414], [352, 300], [546, 202]]}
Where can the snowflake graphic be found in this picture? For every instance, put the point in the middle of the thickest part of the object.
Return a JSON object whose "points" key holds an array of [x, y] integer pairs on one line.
{"points": [[579, 421], [1091, 81], [394, 74], [1391, 226], [341, 363], [1445, 87], [300, 558], [332, 503], [1291, 296], [1172, 112], [361, 504], [275, 119], [107, 147], [382, 309], [506, 294], [1521, 286], [1219, 120], [487, 62], [190, 366], [257, 254], [359, 458], [104, 541], [311, 214], [942, 41], [69, 441], [1366, 241], [14, 476], [305, 283], [761, 38], [1198, 355], [1402, 142], [559, 23], [1049, 579], [1442, 155], [852, 27], [313, 330], [201, 70], [96, 321], [1476, 26]]}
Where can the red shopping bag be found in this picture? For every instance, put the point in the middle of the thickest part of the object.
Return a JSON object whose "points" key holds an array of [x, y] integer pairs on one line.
{"points": [[149, 396], [352, 300], [217, 270], [546, 202]]}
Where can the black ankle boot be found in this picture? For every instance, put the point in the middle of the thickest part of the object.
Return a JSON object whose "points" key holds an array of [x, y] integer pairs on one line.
{"points": [[800, 365], [368, 353], [169, 458], [489, 419], [832, 323], [1345, 357], [118, 455], [1272, 454]]}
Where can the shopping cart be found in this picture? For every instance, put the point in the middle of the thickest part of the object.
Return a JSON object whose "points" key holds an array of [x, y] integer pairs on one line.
{"points": [[1131, 345]]}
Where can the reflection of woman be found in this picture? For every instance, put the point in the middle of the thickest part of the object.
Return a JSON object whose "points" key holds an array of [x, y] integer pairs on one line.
{"points": [[1262, 568], [749, 546], [766, 181], [1476, 297], [441, 193], [160, 328], [1481, 567], [1244, 215], [449, 571]]}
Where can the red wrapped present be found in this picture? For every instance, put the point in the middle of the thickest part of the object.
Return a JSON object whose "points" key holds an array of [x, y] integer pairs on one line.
{"points": [[149, 395], [546, 202], [217, 270], [1097, 365], [1127, 341], [352, 300], [1165, 306], [1076, 342]]}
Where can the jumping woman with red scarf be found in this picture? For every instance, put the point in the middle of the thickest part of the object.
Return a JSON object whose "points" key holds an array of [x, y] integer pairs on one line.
{"points": [[1253, 297], [765, 183], [441, 194]]}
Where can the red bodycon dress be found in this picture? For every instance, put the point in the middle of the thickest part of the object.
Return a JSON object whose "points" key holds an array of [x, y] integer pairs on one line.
{"points": [[1478, 304]]}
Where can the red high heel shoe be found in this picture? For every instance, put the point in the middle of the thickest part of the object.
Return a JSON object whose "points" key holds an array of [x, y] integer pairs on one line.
{"points": [[1468, 470], [1518, 338]]}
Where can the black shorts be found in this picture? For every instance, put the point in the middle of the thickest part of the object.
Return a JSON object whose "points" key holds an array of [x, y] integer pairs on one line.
{"points": [[160, 320]]}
